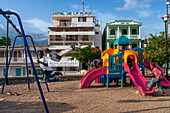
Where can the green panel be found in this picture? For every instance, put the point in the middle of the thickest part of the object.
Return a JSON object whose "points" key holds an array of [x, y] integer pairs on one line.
{"points": [[23, 71], [38, 71], [18, 71], [4, 72]]}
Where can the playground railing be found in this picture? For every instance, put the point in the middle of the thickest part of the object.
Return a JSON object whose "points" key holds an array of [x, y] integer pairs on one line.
{"points": [[115, 63], [140, 55]]}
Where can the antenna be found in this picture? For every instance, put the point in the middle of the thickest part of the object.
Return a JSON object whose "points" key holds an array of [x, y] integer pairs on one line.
{"points": [[83, 5]]}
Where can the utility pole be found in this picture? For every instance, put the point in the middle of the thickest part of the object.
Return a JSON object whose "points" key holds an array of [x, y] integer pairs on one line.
{"points": [[83, 5]]}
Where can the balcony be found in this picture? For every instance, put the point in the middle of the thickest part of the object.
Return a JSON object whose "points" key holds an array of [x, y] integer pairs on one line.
{"points": [[85, 42], [13, 60], [111, 36], [72, 33], [64, 24], [135, 37]]}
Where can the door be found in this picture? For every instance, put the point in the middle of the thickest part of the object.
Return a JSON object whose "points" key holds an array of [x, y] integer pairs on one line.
{"points": [[18, 71]]}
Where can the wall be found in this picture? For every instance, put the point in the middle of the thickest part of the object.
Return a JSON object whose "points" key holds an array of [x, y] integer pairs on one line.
{"points": [[88, 23]]}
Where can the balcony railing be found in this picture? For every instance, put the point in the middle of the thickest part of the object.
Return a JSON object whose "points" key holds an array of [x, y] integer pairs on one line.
{"points": [[65, 24], [111, 36], [13, 60], [134, 37]]}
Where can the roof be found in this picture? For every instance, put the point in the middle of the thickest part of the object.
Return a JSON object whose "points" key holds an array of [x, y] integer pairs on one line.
{"points": [[124, 22], [122, 40]]}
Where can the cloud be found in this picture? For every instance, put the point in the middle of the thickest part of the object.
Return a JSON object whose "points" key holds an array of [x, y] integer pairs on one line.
{"points": [[2, 26], [38, 23], [143, 13], [133, 4]]}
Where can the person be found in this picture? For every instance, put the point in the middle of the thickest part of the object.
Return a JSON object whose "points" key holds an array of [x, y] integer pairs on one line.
{"points": [[129, 62], [49, 76], [158, 78], [57, 57], [97, 63]]}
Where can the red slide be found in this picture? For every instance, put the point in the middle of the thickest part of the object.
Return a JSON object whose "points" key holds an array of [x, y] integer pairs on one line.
{"points": [[165, 83], [138, 79], [91, 76]]}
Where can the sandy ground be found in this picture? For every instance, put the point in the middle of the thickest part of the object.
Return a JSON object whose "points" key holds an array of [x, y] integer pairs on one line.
{"points": [[68, 97]]}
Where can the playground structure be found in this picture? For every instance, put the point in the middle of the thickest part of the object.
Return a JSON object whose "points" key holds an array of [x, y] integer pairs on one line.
{"points": [[27, 51], [116, 65]]}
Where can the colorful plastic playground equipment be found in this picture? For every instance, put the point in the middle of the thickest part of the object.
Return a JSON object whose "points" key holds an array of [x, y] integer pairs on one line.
{"points": [[116, 65]]}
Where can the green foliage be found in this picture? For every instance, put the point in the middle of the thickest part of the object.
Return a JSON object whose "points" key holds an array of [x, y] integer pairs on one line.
{"points": [[3, 41], [155, 49], [86, 55]]}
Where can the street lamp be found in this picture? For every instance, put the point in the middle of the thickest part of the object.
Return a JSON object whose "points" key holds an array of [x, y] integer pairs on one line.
{"points": [[165, 19], [79, 46]]}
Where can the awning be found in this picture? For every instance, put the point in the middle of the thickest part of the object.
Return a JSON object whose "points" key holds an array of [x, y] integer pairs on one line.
{"points": [[64, 62], [72, 33]]}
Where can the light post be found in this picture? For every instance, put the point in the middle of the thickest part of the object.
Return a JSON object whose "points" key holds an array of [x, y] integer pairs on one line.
{"points": [[165, 18], [79, 46]]}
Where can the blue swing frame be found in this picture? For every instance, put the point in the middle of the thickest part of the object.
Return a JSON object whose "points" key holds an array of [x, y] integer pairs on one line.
{"points": [[26, 47]]}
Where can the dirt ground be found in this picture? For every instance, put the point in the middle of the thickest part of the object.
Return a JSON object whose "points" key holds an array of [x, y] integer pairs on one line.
{"points": [[67, 97]]}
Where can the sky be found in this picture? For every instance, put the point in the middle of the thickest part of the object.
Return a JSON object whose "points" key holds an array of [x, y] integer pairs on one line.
{"points": [[36, 14]]}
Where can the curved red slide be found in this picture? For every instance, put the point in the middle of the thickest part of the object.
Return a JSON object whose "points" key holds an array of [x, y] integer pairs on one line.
{"points": [[165, 83], [138, 79], [87, 74], [91, 76]]}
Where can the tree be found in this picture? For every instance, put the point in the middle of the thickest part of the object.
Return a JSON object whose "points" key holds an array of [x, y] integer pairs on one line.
{"points": [[86, 55], [155, 49], [3, 41]]}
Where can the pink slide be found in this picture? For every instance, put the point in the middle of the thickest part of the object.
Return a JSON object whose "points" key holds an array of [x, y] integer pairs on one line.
{"points": [[165, 83], [138, 79], [91, 76]]}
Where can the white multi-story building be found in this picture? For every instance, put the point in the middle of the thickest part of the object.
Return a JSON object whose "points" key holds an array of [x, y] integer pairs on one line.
{"points": [[78, 28]]}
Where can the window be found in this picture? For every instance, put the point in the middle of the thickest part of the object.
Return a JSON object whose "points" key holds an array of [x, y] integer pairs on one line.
{"points": [[134, 45], [96, 33], [59, 69], [72, 68], [134, 32], [19, 54], [85, 38], [71, 38], [112, 32], [1, 54], [124, 32], [111, 45], [81, 19]]}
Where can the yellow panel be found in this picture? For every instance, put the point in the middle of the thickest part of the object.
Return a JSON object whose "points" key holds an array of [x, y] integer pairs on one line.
{"points": [[108, 51], [128, 53], [144, 54], [107, 71]]}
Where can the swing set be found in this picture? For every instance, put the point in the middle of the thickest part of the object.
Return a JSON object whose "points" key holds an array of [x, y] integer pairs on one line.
{"points": [[27, 51]]}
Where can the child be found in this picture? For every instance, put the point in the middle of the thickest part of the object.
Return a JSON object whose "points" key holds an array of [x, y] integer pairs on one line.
{"points": [[60, 55], [158, 78], [97, 63], [47, 69]]}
